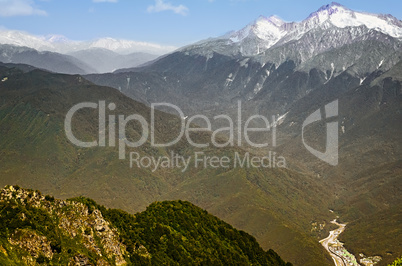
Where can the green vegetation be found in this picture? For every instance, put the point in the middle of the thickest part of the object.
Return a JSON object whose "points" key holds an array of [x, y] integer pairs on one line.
{"points": [[20, 219], [179, 233], [397, 262], [385, 225], [169, 233]]}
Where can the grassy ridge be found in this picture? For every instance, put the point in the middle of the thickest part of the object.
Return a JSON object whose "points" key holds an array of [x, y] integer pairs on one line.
{"points": [[178, 232], [169, 233]]}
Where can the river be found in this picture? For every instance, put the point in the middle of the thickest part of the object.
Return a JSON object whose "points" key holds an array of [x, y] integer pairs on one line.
{"points": [[335, 248]]}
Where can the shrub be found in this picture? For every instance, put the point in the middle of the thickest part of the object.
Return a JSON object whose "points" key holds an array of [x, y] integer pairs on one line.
{"points": [[42, 259], [397, 262], [49, 198]]}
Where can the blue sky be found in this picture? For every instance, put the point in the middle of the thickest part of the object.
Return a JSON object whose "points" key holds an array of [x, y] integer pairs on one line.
{"points": [[167, 22]]}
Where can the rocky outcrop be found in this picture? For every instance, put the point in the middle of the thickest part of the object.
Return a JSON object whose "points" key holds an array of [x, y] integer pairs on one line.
{"points": [[92, 226], [32, 242], [74, 220]]}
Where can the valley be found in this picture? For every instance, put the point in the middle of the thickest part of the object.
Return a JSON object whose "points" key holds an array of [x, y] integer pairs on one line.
{"points": [[338, 253], [263, 129], [247, 197]]}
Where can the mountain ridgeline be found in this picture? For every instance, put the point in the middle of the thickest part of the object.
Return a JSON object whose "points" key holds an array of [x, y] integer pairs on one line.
{"points": [[38, 229], [94, 60]]}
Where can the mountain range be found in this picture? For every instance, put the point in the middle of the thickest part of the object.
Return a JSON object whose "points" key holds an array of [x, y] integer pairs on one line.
{"points": [[58, 54], [265, 33], [288, 70], [60, 44], [94, 60]]}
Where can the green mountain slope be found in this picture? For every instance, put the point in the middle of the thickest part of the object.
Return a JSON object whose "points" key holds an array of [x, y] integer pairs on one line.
{"points": [[277, 206], [367, 182], [38, 229]]}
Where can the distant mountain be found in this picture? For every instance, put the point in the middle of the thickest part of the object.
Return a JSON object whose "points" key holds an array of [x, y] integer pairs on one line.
{"points": [[58, 54], [38, 229], [104, 60], [44, 60], [128, 47], [60, 44], [19, 38], [94, 60]]}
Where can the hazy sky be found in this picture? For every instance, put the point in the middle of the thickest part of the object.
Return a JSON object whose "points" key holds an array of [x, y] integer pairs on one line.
{"points": [[168, 22]]}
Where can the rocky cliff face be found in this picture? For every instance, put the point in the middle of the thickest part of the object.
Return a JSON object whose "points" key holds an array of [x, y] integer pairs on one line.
{"points": [[80, 228]]}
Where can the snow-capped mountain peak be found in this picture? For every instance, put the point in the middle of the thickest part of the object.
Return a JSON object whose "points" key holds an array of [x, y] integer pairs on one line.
{"points": [[265, 32], [329, 12], [331, 8], [61, 44], [342, 17], [20, 38], [268, 30]]}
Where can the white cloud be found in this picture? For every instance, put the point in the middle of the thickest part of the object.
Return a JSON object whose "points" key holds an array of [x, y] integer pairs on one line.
{"points": [[104, 1], [9, 8], [161, 5]]}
